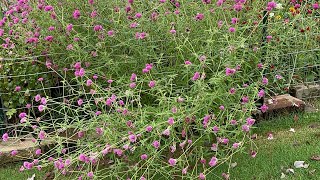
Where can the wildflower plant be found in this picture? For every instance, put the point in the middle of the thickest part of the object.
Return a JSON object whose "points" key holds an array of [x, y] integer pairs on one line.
{"points": [[147, 89]]}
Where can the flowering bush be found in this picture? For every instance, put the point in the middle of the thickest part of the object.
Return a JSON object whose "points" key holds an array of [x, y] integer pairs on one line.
{"points": [[147, 89]]}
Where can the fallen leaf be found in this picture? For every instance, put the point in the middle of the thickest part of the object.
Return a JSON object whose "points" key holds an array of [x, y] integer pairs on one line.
{"points": [[300, 164], [290, 171], [32, 177], [292, 130], [233, 165], [312, 172], [282, 176], [316, 158]]}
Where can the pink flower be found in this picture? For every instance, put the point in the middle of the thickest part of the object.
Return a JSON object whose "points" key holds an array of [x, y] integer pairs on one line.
{"points": [[99, 131], [90, 174], [237, 7], [196, 76], [184, 171], [156, 144], [264, 108], [69, 27], [214, 147], [234, 20], [48, 8], [14, 152], [132, 85], [89, 82], [202, 176], [232, 91], [17, 88], [265, 81], [173, 31], [133, 77], [233, 122], [172, 162], [149, 128], [250, 121], [132, 138], [97, 28], [171, 121], [43, 101], [152, 84], [144, 157], [138, 15], [42, 135], [41, 108], [232, 29], [80, 102], [38, 152], [315, 6], [245, 128], [221, 108], [49, 38], [261, 93], [5, 137], [213, 162], [199, 16], [215, 129], [166, 132], [76, 14], [111, 33], [235, 145], [230, 71], [82, 157]]}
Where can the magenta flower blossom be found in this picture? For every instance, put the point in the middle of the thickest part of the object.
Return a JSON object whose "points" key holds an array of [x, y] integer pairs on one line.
{"points": [[156, 144], [264, 108], [232, 29], [171, 121], [173, 31], [213, 162], [166, 132], [133, 77], [41, 108], [5, 137], [199, 16], [222, 108], [233, 122], [235, 145], [132, 138], [132, 85], [214, 147], [315, 6], [89, 82], [90, 174], [42, 135], [237, 7], [38, 152], [184, 171], [17, 88], [43, 101], [265, 81], [49, 38], [48, 8], [245, 128], [144, 157], [230, 71], [149, 128], [138, 15], [14, 152], [97, 28], [234, 20], [232, 91], [141, 35], [202, 176], [215, 129], [80, 102], [76, 14], [99, 131], [172, 162], [152, 84], [250, 121], [261, 93], [82, 157], [196, 76]]}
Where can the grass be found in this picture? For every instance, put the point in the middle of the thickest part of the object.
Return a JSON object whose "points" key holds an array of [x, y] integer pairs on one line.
{"points": [[273, 158], [277, 155]]}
